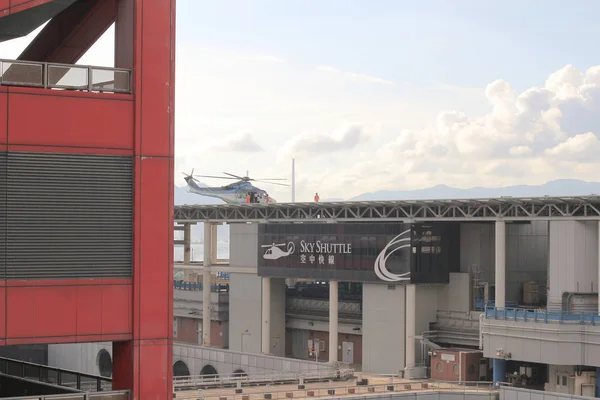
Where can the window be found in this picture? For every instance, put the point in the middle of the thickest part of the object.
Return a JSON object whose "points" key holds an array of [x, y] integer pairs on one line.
{"points": [[175, 326]]}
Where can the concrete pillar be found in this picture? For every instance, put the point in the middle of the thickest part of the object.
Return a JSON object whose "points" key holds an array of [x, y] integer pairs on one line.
{"points": [[187, 239], [500, 252], [206, 286], [411, 322], [266, 316], [214, 241], [333, 321], [499, 370]]}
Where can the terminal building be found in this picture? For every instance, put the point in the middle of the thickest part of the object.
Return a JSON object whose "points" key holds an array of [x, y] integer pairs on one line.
{"points": [[497, 289]]}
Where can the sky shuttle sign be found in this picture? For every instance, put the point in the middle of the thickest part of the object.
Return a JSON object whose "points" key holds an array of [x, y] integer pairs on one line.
{"points": [[356, 252], [319, 253]]}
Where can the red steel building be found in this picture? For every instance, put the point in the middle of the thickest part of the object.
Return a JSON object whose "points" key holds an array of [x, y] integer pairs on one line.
{"points": [[86, 184]]}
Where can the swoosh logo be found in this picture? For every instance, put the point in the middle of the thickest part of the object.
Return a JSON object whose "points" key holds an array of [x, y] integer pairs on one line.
{"points": [[403, 241]]}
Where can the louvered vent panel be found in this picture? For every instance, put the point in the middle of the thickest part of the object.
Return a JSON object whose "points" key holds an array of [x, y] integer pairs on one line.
{"points": [[3, 215], [68, 216]]}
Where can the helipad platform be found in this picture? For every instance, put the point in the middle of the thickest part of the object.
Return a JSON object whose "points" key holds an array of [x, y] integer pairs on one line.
{"points": [[488, 209]]}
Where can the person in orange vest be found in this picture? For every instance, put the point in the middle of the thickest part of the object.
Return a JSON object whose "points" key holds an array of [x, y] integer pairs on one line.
{"points": [[248, 198], [316, 197]]}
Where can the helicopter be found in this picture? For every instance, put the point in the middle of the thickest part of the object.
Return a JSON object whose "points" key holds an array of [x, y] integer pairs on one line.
{"points": [[239, 192]]}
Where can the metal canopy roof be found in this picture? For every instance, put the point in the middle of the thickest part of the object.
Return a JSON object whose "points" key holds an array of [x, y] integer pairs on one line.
{"points": [[489, 209]]}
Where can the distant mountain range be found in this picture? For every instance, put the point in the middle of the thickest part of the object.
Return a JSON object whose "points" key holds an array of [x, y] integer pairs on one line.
{"points": [[558, 187]]}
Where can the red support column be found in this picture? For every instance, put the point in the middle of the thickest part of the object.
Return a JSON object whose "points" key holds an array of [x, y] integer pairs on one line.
{"points": [[145, 41]]}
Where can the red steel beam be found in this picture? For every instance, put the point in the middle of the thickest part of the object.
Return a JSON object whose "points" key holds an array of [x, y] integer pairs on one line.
{"points": [[67, 37]]}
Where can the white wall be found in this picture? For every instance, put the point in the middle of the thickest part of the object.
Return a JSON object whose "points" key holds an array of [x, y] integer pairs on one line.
{"points": [[245, 306], [427, 305], [278, 317], [245, 313], [551, 343], [227, 362], [383, 328], [573, 264], [243, 250], [80, 357], [456, 295]]}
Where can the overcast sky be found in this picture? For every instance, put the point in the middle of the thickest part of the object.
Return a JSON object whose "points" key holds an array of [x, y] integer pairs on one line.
{"points": [[383, 94]]}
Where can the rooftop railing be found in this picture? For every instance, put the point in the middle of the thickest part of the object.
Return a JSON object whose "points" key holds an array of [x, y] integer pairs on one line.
{"points": [[64, 76], [542, 316], [53, 375], [112, 395], [194, 286]]}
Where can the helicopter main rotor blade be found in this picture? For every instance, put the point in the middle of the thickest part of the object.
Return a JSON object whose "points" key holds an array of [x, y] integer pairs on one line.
{"points": [[216, 177], [235, 176], [273, 183]]}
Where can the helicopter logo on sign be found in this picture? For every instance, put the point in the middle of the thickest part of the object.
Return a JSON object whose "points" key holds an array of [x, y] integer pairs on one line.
{"points": [[274, 252], [380, 263]]}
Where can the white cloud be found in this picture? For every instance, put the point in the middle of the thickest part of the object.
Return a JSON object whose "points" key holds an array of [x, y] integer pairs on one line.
{"points": [[244, 143], [540, 134], [354, 76], [344, 138], [584, 147]]}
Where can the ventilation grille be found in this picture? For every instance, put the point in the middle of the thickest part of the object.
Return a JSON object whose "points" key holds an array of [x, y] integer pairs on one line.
{"points": [[65, 215]]}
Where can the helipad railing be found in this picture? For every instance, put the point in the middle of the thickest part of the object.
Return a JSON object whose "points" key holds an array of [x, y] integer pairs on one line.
{"points": [[64, 76], [542, 316]]}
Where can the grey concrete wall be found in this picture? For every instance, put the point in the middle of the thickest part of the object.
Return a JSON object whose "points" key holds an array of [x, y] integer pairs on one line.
{"points": [[551, 343], [426, 310], [245, 306], [383, 328], [456, 295], [278, 317], [526, 254], [81, 357], [185, 301], [513, 393], [245, 314], [226, 361], [243, 245], [573, 264]]}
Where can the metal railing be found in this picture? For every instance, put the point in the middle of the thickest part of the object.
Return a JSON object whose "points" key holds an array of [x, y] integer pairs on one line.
{"points": [[542, 316], [334, 389], [194, 286], [302, 305], [64, 76], [54, 376], [270, 378], [112, 395]]}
